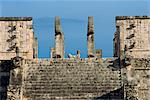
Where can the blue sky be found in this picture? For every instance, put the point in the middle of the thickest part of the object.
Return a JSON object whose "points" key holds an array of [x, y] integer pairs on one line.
{"points": [[74, 17]]}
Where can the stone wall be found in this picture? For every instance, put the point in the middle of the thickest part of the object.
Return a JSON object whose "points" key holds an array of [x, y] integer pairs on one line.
{"points": [[132, 46], [16, 32], [137, 84], [4, 78], [10, 81], [134, 36]]}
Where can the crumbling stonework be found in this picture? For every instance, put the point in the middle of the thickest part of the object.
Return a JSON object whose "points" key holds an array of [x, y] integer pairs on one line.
{"points": [[35, 48], [23, 76], [70, 79], [90, 37], [16, 32], [134, 36], [138, 79], [132, 46], [59, 39]]}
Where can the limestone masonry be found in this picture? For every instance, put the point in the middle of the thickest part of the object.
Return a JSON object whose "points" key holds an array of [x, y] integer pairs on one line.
{"points": [[125, 76]]}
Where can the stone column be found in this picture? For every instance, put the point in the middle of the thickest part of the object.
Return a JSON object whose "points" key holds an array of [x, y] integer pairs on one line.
{"points": [[78, 54], [52, 52], [90, 37], [35, 48], [98, 53], [59, 39], [116, 49]]}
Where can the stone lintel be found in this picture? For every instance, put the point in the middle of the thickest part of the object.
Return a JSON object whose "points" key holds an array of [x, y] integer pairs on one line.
{"points": [[131, 17], [15, 18]]}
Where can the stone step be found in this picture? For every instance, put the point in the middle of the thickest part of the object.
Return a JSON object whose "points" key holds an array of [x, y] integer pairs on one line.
{"points": [[73, 82], [63, 92], [70, 80], [69, 75], [38, 84], [57, 97]]}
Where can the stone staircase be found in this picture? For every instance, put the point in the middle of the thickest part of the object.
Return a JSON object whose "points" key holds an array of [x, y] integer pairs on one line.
{"points": [[70, 80]]}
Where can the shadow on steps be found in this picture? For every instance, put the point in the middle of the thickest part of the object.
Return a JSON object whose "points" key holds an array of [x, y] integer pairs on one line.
{"points": [[113, 95]]}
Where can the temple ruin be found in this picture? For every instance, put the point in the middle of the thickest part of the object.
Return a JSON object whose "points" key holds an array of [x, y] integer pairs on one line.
{"points": [[125, 76]]}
